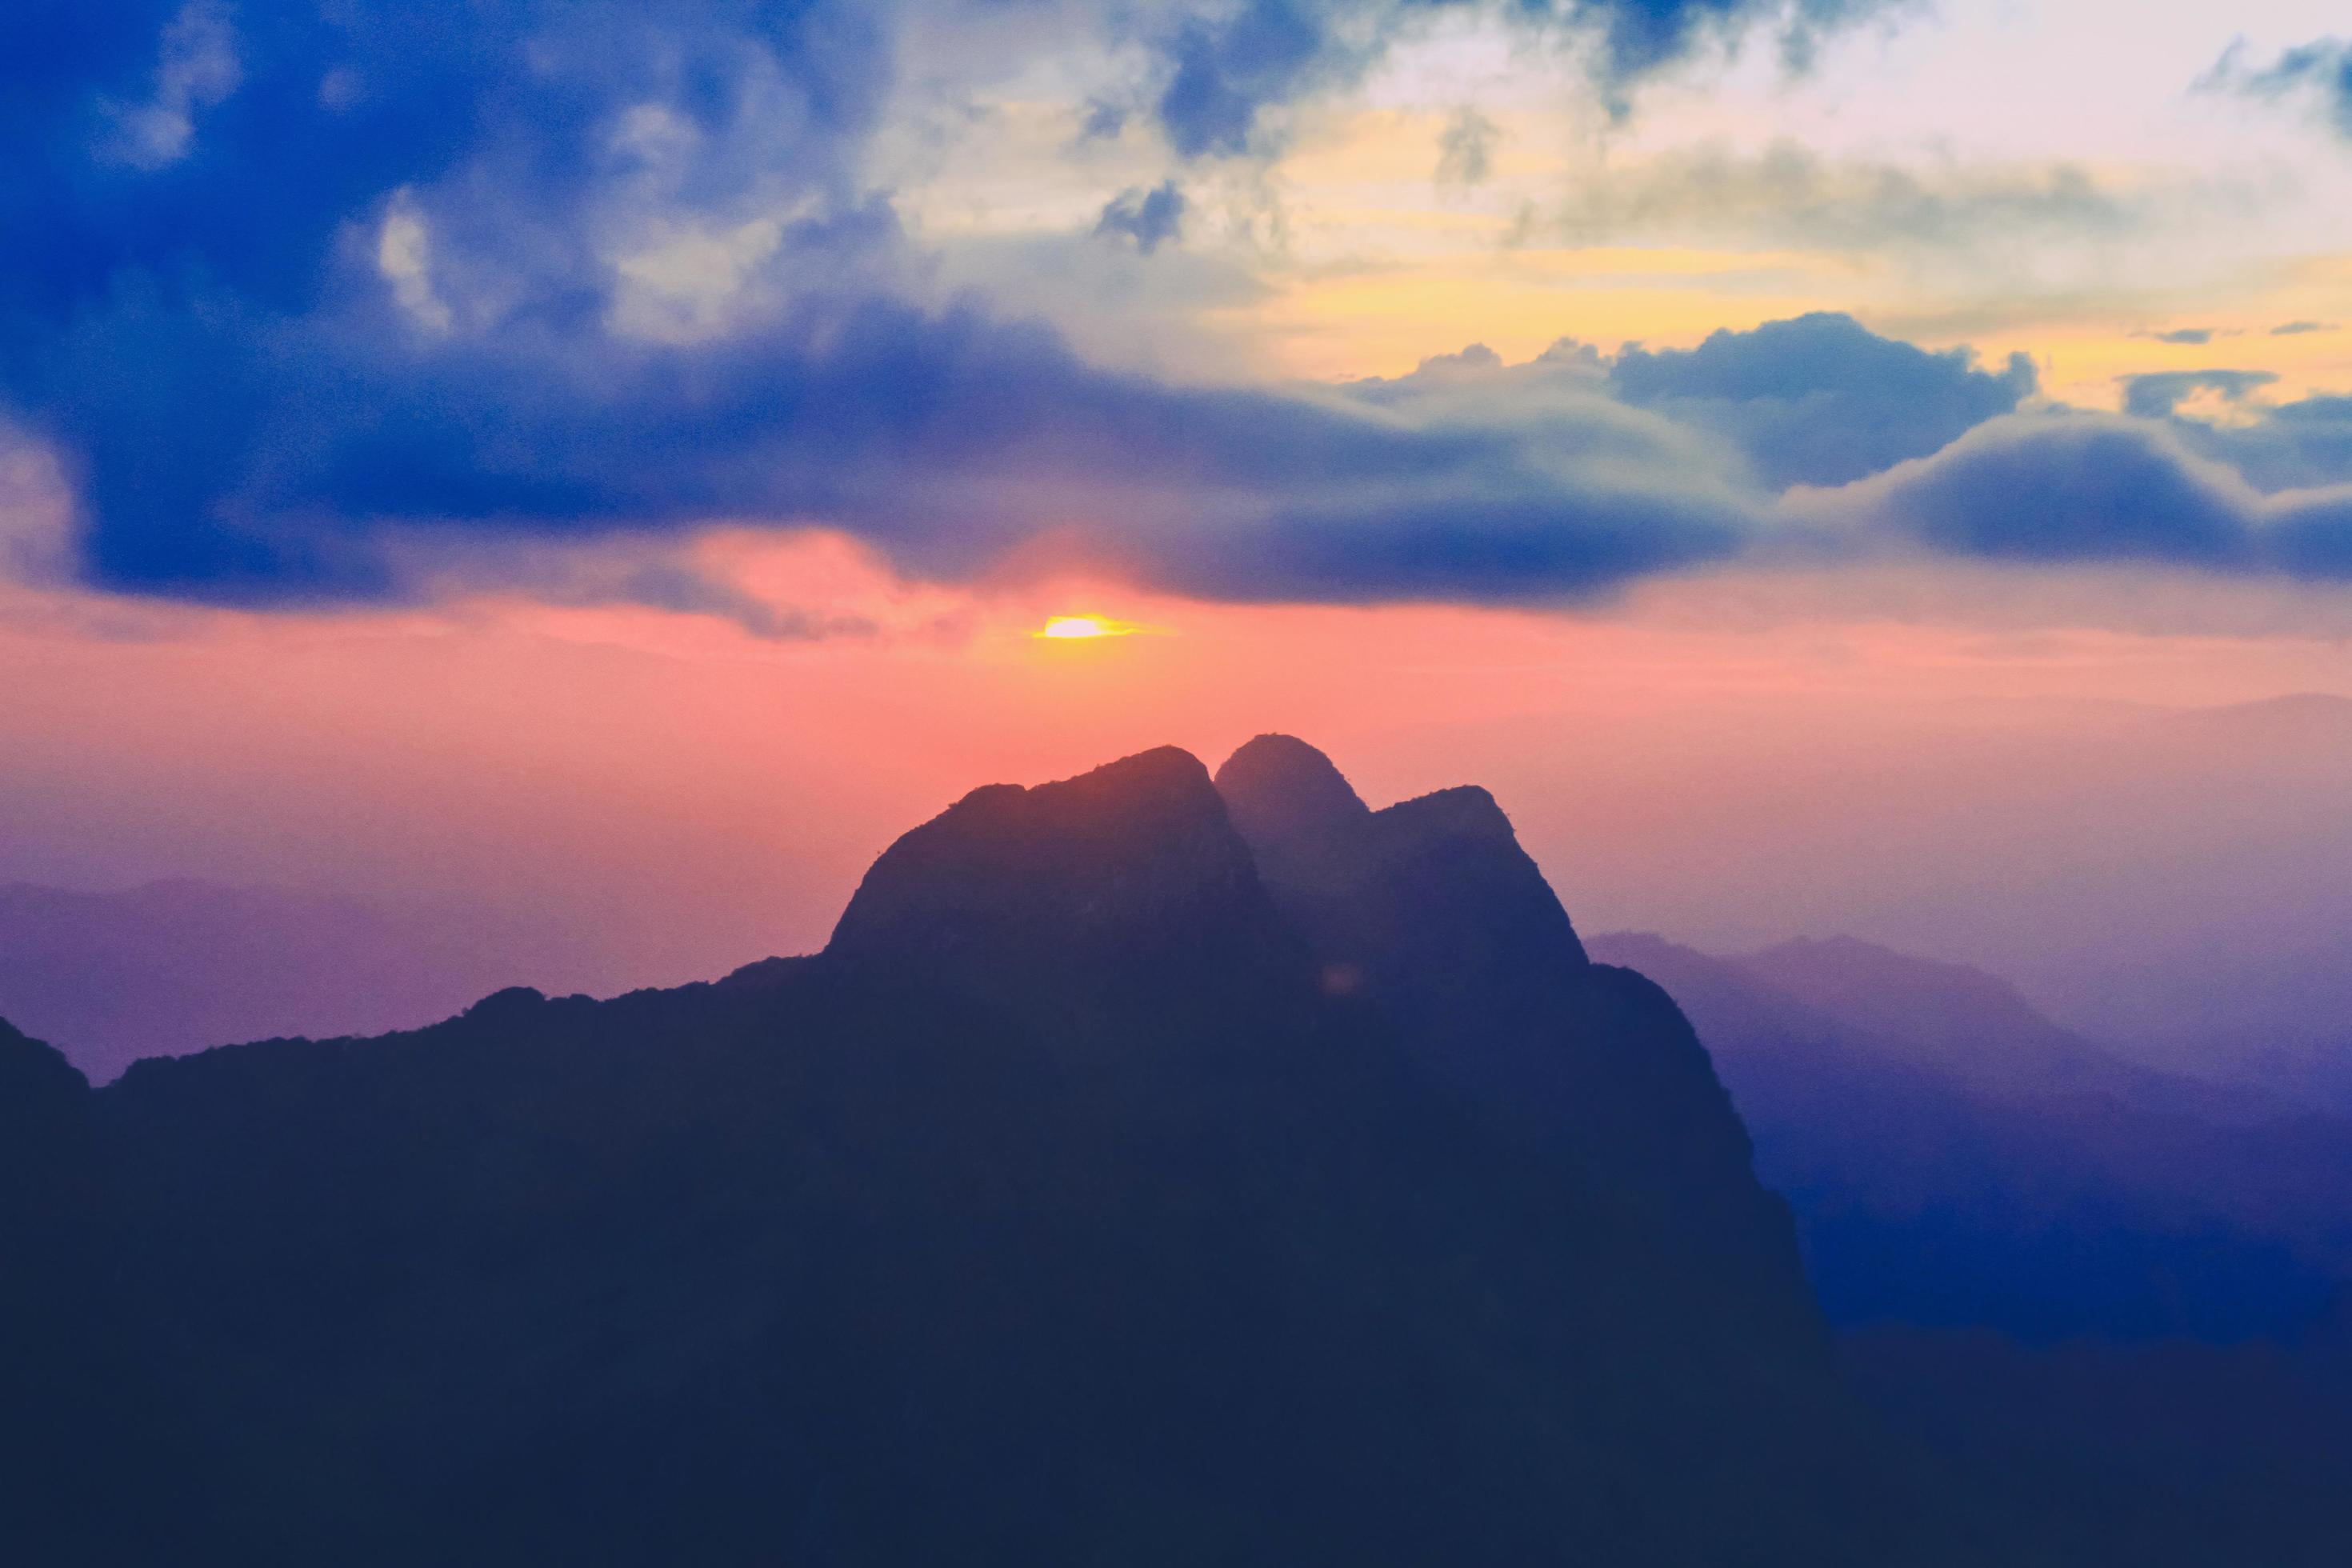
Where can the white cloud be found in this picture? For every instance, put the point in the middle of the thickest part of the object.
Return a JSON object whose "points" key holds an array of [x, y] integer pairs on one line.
{"points": [[403, 254], [197, 68]]}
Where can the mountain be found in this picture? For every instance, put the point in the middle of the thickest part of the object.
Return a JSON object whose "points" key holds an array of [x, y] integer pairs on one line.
{"points": [[1150, 1170], [96, 1465], [2278, 1019], [2158, 1454], [1953, 1158], [179, 965], [1958, 1020]]}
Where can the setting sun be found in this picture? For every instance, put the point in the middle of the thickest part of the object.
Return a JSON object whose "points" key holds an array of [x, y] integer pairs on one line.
{"points": [[1085, 626]]}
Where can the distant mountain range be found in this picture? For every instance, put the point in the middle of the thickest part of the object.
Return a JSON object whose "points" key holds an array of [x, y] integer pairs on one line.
{"points": [[175, 966], [1954, 1158]]}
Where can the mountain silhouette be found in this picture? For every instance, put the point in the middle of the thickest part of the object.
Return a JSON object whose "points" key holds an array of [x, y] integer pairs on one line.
{"points": [[1150, 1169]]}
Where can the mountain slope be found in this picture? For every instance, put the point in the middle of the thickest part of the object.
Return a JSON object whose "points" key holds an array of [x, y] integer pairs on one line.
{"points": [[1953, 1019], [1063, 1209]]}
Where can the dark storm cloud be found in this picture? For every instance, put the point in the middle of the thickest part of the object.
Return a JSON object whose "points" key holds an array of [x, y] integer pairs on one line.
{"points": [[1821, 400], [1149, 218]]}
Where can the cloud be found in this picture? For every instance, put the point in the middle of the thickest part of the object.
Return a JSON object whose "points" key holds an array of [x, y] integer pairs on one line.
{"points": [[2296, 329], [1638, 36], [1221, 76], [2303, 445], [2194, 337], [1151, 218], [1820, 400], [1787, 195], [1552, 543], [681, 575], [585, 272], [452, 209], [2156, 394], [1466, 148], [2318, 73], [2064, 489], [593, 278], [2311, 537], [196, 67]]}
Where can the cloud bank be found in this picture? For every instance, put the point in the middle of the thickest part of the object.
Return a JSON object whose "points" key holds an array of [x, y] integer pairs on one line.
{"points": [[2069, 488], [299, 288]]}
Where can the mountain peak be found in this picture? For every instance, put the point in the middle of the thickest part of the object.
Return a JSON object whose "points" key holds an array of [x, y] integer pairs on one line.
{"points": [[1372, 890], [1279, 789], [1463, 812], [1137, 845]]}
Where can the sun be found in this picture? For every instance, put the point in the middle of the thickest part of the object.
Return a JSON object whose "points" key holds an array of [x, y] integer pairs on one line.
{"points": [[1085, 626]]}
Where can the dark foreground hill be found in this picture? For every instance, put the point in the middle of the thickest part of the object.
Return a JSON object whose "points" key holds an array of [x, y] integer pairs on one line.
{"points": [[1092, 1198]]}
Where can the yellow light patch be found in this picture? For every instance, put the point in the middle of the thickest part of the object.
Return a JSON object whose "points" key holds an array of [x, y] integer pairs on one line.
{"points": [[1062, 626]]}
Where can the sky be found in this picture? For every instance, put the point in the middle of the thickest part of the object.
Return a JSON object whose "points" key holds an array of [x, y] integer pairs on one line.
{"points": [[1816, 460]]}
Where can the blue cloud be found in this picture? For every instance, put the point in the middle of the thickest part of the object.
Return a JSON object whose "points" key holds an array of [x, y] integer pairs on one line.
{"points": [[1220, 74], [364, 277], [2311, 537], [2071, 489], [2306, 444], [1821, 400], [451, 317], [246, 375], [2315, 431], [1151, 218], [1224, 74], [1548, 543], [2082, 489], [2319, 72], [2156, 394]]}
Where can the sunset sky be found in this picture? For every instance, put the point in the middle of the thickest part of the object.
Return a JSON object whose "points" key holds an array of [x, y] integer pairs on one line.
{"points": [[1815, 461]]}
